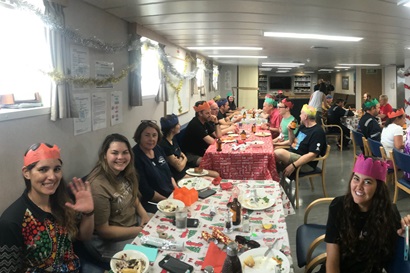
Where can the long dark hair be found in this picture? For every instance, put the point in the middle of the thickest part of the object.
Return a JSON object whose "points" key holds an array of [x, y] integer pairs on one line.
{"points": [[64, 216], [391, 120], [102, 168], [379, 242]]}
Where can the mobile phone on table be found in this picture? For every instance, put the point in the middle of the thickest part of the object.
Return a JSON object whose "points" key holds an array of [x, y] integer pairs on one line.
{"points": [[191, 222], [174, 265], [206, 193]]}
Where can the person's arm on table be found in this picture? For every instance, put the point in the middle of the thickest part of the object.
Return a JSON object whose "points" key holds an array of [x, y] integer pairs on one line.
{"points": [[333, 258], [178, 163]]}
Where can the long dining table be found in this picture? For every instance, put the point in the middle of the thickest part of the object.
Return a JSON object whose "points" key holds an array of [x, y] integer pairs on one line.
{"points": [[250, 161], [196, 247]]}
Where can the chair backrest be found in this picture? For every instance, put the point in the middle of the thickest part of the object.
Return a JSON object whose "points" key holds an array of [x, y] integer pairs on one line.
{"points": [[374, 147], [401, 160], [398, 264], [357, 139], [323, 158]]}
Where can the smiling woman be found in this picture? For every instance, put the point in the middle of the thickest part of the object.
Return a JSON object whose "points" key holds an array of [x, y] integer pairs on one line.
{"points": [[24, 53]]}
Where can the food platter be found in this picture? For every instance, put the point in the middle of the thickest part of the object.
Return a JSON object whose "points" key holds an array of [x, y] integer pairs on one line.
{"points": [[192, 172], [264, 200], [265, 264], [197, 183], [262, 134]]}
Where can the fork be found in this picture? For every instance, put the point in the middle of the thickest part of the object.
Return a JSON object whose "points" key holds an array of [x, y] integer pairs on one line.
{"points": [[254, 197]]}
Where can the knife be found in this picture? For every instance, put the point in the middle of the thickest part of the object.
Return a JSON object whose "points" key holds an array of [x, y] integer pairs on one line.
{"points": [[270, 248]]}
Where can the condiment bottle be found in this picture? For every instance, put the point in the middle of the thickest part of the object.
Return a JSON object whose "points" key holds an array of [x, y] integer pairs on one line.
{"points": [[219, 145], [245, 223], [293, 124], [235, 207], [254, 128], [253, 114], [244, 114], [243, 135], [232, 263], [228, 221]]}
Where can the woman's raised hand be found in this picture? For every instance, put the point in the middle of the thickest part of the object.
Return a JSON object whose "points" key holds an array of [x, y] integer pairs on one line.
{"points": [[83, 198]]}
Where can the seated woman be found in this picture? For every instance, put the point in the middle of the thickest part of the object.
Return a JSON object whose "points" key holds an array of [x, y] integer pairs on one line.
{"points": [[392, 134], [37, 230], [156, 181], [363, 224], [177, 160], [119, 215]]}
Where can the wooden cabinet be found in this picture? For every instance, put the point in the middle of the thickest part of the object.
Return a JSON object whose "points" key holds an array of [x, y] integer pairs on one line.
{"points": [[263, 83], [301, 84]]}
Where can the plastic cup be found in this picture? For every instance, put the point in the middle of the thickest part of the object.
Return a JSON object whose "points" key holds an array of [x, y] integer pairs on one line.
{"points": [[181, 217]]}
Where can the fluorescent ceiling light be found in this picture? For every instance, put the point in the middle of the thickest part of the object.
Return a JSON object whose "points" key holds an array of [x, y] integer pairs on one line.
{"points": [[282, 71], [405, 3], [237, 56], [265, 68], [342, 67], [224, 48], [325, 69], [285, 68], [359, 64], [309, 72], [283, 64], [312, 36]]}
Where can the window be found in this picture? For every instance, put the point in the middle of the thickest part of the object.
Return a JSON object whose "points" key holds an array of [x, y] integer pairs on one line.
{"points": [[149, 70], [24, 53]]}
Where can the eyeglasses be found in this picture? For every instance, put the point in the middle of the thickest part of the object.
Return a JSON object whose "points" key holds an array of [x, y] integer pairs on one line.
{"points": [[281, 106], [249, 243]]}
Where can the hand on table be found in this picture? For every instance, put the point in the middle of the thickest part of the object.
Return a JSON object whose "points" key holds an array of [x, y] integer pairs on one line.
{"points": [[83, 198]]}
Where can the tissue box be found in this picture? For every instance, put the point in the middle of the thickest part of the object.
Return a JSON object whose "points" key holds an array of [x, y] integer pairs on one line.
{"points": [[188, 196]]}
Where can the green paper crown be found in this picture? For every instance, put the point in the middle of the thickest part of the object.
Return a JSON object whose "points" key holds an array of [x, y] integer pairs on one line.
{"points": [[370, 104], [271, 101]]}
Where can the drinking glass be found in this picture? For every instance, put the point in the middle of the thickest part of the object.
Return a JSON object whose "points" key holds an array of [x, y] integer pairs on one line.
{"points": [[181, 216]]}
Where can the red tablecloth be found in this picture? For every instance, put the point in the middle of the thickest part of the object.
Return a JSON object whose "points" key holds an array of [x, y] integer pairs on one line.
{"points": [[254, 162]]}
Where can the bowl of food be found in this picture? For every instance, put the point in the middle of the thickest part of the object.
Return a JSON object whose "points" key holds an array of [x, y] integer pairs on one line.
{"points": [[129, 261], [170, 206]]}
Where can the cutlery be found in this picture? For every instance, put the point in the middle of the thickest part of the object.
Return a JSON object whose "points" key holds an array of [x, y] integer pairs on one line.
{"points": [[269, 249]]}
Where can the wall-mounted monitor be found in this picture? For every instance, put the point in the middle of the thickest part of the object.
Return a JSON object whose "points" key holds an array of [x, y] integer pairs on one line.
{"points": [[284, 82]]}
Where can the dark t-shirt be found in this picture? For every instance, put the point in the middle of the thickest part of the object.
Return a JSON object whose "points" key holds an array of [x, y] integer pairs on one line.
{"points": [[221, 116], [154, 174], [173, 149], [369, 127], [335, 113], [195, 132], [312, 139], [350, 263]]}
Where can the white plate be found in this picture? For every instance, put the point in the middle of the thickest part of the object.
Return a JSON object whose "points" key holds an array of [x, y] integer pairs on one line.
{"points": [[228, 140], [128, 254], [197, 183], [192, 172], [244, 199], [172, 203], [233, 135], [263, 265], [262, 134]]}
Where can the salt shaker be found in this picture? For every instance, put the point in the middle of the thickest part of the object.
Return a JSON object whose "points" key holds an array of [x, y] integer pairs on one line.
{"points": [[245, 223]]}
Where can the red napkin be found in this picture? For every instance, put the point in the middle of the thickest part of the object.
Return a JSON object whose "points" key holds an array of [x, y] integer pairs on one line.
{"points": [[217, 181], [215, 257], [226, 186]]}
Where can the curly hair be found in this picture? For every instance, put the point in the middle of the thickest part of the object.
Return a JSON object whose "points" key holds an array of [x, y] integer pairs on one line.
{"points": [[380, 227], [102, 168], [65, 217]]}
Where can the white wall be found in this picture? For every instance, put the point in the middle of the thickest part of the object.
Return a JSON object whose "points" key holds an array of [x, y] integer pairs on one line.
{"points": [[79, 153], [389, 84]]}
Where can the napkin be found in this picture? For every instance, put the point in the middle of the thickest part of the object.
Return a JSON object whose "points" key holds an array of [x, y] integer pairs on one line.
{"points": [[226, 186], [215, 257], [150, 252], [216, 181]]}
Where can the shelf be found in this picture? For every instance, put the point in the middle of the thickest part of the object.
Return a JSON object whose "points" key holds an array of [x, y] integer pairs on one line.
{"points": [[301, 84]]}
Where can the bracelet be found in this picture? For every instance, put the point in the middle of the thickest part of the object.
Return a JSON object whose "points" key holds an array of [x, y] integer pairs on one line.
{"points": [[88, 214], [293, 164]]}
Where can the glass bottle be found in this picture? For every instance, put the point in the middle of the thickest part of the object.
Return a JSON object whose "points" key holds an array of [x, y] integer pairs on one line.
{"points": [[245, 223], [228, 221], [254, 128], [235, 207], [253, 114], [243, 135], [219, 145], [232, 263], [244, 115], [293, 124]]}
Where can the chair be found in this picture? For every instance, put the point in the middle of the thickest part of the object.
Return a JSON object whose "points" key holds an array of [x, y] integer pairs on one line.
{"points": [[376, 149], [310, 246], [357, 140], [400, 162], [336, 135], [398, 264], [317, 172]]}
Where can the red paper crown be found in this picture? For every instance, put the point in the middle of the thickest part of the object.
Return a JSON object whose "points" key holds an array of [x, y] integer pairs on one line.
{"points": [[369, 167], [288, 104], [201, 107], [396, 114], [42, 152]]}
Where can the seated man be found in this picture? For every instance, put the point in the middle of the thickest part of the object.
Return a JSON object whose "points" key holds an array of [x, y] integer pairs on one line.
{"points": [[225, 128], [334, 114], [274, 118], [385, 108], [200, 133], [284, 110], [308, 143], [368, 124], [224, 116]]}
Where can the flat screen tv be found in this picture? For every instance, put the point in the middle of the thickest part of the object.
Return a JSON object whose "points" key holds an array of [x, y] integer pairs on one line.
{"points": [[280, 82]]}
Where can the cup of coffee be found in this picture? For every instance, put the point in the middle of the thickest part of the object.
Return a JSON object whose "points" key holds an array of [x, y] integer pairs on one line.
{"points": [[181, 216]]}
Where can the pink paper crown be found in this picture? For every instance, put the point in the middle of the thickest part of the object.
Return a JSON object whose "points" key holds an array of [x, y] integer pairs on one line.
{"points": [[41, 153], [370, 167]]}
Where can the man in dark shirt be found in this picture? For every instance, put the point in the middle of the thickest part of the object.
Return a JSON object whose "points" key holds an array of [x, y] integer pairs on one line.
{"points": [[200, 133], [368, 124], [334, 115]]}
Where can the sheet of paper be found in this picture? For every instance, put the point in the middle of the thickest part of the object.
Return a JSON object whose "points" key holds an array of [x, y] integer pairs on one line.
{"points": [[116, 107], [83, 123], [99, 110]]}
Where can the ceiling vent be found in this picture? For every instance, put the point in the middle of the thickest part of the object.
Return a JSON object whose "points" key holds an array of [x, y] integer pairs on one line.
{"points": [[319, 47]]}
